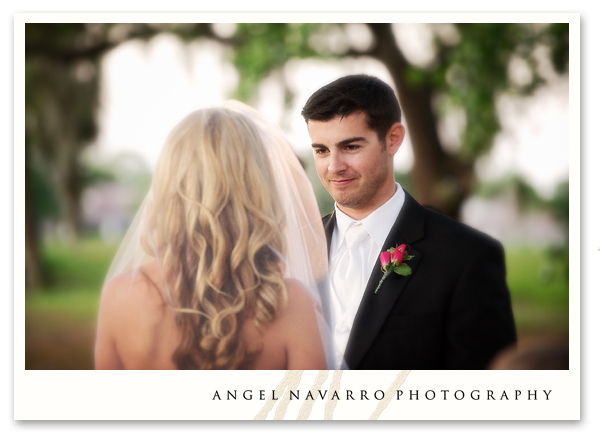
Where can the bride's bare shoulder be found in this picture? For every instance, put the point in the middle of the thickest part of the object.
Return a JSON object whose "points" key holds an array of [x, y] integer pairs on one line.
{"points": [[139, 288], [133, 317], [299, 297], [132, 301], [301, 308], [299, 326]]}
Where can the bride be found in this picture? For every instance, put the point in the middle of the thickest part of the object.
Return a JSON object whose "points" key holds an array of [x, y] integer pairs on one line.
{"points": [[224, 265]]}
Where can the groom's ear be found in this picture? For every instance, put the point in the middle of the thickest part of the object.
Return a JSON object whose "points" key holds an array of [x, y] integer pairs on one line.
{"points": [[395, 137]]}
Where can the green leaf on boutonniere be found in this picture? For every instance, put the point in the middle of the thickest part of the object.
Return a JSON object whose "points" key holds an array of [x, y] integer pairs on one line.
{"points": [[408, 257], [403, 270]]}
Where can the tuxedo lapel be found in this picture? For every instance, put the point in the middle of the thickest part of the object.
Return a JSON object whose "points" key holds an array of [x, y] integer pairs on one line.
{"points": [[374, 308], [328, 225]]}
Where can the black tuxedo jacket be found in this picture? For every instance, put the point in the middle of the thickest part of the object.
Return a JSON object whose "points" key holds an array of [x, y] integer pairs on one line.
{"points": [[452, 312]]}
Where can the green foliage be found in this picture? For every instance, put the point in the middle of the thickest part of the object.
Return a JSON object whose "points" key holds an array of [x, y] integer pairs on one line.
{"points": [[557, 256], [60, 319], [405, 181], [475, 72], [78, 305], [555, 265], [527, 282], [540, 305], [78, 267], [559, 204], [527, 196], [94, 174], [324, 200], [414, 76], [60, 37], [45, 205], [558, 40], [266, 47]]}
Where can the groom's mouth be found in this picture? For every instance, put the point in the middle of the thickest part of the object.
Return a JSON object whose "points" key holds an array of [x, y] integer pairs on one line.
{"points": [[342, 182]]}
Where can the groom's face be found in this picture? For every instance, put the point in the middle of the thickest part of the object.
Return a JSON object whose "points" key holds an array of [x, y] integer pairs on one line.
{"points": [[354, 166]]}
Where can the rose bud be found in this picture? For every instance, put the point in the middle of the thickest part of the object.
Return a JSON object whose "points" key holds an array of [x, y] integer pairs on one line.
{"points": [[398, 254], [384, 258]]}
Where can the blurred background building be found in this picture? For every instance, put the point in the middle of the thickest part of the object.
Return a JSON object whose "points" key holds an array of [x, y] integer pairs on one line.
{"points": [[486, 108]]}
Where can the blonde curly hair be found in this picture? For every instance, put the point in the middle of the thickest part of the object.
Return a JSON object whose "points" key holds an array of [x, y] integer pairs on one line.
{"points": [[214, 223]]}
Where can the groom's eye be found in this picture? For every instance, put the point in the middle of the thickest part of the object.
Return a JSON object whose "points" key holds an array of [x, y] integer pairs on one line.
{"points": [[319, 151]]}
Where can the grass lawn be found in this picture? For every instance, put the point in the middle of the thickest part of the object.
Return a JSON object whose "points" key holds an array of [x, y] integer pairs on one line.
{"points": [[540, 302], [60, 320]]}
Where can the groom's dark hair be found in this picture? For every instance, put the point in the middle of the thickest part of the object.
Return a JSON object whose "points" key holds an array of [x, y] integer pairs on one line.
{"points": [[355, 93]]}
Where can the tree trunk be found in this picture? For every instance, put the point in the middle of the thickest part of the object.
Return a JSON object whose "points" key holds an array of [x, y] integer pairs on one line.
{"points": [[441, 180], [33, 267]]}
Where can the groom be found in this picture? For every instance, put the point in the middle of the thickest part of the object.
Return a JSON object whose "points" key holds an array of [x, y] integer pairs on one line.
{"points": [[453, 311]]}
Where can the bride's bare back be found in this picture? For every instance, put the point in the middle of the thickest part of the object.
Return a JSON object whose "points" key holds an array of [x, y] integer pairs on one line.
{"points": [[137, 328]]}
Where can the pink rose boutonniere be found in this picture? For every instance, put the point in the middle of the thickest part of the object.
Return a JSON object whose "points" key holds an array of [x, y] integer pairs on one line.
{"points": [[392, 262]]}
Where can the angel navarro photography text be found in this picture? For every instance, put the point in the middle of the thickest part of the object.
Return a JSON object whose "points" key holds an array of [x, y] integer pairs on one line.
{"points": [[378, 395]]}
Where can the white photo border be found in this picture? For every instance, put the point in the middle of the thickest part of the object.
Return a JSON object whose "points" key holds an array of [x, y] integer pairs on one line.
{"points": [[191, 395]]}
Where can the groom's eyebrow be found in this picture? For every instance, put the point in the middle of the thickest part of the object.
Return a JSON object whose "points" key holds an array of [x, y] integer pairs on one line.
{"points": [[350, 140], [342, 143]]}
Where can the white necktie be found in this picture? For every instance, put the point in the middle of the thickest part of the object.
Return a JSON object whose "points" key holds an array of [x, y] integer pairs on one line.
{"points": [[348, 272]]}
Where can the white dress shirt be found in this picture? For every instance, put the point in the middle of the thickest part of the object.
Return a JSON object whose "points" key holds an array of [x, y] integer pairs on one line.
{"points": [[347, 284]]}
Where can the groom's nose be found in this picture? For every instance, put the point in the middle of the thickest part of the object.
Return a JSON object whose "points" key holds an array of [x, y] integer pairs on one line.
{"points": [[337, 163]]}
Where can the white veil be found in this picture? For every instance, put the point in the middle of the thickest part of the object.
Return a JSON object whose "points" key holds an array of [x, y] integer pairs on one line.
{"points": [[306, 248]]}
